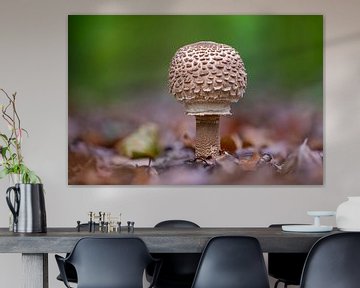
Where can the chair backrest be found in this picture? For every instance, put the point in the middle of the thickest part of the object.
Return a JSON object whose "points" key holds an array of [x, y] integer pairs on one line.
{"points": [[333, 262], [110, 262], [178, 269], [176, 224], [232, 262], [286, 267]]}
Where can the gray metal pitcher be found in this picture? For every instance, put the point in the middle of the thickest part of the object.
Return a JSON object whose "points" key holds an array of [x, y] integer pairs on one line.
{"points": [[28, 208]]}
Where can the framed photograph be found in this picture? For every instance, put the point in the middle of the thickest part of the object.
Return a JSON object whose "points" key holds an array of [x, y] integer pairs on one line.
{"points": [[195, 100]]}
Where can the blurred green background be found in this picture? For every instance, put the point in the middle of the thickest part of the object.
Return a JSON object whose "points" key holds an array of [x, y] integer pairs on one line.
{"points": [[114, 57]]}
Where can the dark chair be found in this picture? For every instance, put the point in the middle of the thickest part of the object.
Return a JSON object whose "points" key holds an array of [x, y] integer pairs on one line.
{"points": [[333, 262], [69, 269], [178, 269], [176, 224], [108, 263], [232, 262], [286, 267], [70, 273]]}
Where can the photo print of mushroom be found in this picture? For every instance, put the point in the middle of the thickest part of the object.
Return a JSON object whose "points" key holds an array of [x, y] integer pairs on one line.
{"points": [[195, 100]]}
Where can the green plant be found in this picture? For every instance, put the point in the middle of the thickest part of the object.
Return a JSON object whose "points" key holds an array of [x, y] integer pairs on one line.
{"points": [[11, 159]]}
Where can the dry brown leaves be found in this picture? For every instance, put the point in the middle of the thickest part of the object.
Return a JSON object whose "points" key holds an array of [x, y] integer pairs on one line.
{"points": [[269, 145]]}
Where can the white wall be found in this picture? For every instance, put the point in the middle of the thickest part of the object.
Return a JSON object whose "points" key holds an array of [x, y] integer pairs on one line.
{"points": [[33, 62]]}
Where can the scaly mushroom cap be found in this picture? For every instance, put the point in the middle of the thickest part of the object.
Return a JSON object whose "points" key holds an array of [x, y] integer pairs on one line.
{"points": [[207, 77]]}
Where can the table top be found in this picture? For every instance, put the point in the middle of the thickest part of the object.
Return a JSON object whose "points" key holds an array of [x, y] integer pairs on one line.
{"points": [[158, 240]]}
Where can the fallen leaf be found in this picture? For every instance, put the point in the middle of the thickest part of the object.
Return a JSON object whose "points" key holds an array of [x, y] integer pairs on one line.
{"points": [[250, 164], [230, 143], [143, 175], [183, 175], [255, 137], [188, 141], [228, 162], [304, 162], [77, 163], [119, 160], [144, 142]]}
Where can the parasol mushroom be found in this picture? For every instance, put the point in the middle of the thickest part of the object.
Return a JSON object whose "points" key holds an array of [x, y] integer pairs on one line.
{"points": [[207, 77]]}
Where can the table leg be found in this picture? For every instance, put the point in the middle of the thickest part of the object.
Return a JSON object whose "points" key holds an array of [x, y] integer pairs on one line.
{"points": [[35, 270]]}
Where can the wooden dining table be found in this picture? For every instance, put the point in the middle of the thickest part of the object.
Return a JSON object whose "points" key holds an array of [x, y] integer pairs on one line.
{"points": [[35, 247]]}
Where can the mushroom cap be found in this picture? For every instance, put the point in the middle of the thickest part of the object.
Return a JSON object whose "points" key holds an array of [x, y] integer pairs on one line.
{"points": [[207, 77]]}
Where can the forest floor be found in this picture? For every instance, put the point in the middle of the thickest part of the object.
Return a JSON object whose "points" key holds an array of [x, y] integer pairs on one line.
{"points": [[153, 143]]}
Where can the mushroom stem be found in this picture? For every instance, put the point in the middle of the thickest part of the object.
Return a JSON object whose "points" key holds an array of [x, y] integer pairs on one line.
{"points": [[207, 142]]}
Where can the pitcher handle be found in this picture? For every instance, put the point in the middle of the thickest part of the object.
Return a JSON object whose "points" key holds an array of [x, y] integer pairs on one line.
{"points": [[13, 208]]}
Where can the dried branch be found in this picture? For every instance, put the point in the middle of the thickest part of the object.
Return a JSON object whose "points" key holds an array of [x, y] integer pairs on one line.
{"points": [[12, 159]]}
